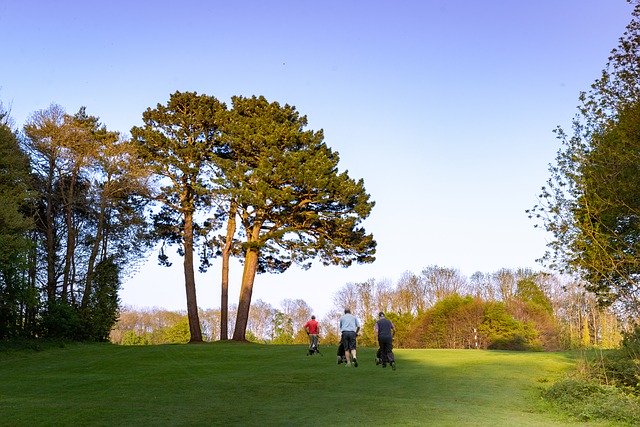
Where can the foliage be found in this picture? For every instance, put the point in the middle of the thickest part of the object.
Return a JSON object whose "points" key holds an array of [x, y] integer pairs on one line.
{"points": [[283, 328], [591, 203], [618, 367], [89, 225], [590, 401], [18, 296], [177, 144], [540, 319], [453, 322], [528, 291], [101, 313], [631, 342], [131, 338], [401, 322], [503, 332], [62, 321], [176, 334], [366, 336], [293, 203]]}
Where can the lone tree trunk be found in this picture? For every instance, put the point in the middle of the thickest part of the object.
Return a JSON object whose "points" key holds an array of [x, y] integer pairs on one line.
{"points": [[190, 281]]}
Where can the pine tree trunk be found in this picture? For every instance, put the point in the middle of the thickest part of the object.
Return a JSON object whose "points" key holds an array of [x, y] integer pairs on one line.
{"points": [[190, 281], [248, 276], [71, 236], [86, 297], [50, 237], [226, 254]]}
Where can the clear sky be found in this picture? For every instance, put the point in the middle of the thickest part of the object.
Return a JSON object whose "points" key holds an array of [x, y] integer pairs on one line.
{"points": [[444, 107]]}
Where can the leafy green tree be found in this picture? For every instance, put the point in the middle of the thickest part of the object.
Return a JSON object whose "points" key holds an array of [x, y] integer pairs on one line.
{"points": [[608, 248], [292, 202], [118, 231], [101, 310], [452, 322], [43, 133], [282, 328], [178, 333], [591, 203], [89, 212], [528, 291], [178, 143], [18, 298], [503, 332]]}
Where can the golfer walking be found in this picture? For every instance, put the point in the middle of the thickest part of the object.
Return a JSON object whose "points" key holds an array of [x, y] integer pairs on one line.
{"points": [[384, 330], [312, 329], [349, 327]]}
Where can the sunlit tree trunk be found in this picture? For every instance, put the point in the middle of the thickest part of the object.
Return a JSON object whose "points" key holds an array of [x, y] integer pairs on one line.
{"points": [[246, 289], [189, 280], [226, 254]]}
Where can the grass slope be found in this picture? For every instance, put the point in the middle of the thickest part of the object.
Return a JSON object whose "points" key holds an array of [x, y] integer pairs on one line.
{"points": [[251, 384]]}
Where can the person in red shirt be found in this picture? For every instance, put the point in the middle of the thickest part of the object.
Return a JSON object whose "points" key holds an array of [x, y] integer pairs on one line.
{"points": [[313, 329]]}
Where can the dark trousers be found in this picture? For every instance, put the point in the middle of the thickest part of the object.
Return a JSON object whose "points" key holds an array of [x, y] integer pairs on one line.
{"points": [[385, 352]]}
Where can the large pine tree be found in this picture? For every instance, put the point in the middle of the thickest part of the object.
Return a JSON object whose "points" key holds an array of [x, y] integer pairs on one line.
{"points": [[293, 203], [178, 143]]}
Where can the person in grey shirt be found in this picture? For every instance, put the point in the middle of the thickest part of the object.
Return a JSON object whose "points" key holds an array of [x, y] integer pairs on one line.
{"points": [[349, 327]]}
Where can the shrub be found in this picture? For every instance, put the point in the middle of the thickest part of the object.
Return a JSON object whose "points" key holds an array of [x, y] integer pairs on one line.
{"points": [[503, 332], [615, 367], [588, 401], [61, 321], [452, 322], [631, 342]]}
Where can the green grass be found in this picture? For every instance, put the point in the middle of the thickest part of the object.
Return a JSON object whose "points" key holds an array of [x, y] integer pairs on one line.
{"points": [[251, 384]]}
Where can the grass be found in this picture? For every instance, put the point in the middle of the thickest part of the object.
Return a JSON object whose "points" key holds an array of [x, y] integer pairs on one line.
{"points": [[250, 384]]}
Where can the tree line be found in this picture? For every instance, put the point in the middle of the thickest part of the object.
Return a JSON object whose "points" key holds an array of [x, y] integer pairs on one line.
{"points": [[437, 308], [83, 204]]}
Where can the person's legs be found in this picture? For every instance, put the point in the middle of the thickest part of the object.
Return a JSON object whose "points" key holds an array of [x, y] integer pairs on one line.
{"points": [[382, 354], [345, 344], [352, 348], [388, 352]]}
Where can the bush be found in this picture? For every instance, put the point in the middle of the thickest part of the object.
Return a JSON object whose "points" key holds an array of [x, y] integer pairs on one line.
{"points": [[614, 367], [588, 401], [631, 342], [503, 332], [62, 321], [452, 322]]}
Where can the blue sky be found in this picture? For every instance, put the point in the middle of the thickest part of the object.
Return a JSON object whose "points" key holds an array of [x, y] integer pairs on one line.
{"points": [[444, 108]]}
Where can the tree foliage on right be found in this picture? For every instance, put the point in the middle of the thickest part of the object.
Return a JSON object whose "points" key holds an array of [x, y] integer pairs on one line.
{"points": [[591, 203]]}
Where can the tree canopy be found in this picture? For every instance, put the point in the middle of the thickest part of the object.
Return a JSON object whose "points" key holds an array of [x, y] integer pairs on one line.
{"points": [[292, 202], [591, 202], [178, 144]]}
